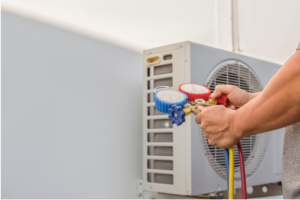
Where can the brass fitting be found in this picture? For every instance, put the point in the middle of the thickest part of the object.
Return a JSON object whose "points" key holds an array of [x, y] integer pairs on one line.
{"points": [[187, 111], [192, 107], [213, 101]]}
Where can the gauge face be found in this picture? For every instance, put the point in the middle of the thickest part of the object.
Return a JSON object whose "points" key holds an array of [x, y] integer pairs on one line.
{"points": [[170, 96], [192, 88], [194, 91]]}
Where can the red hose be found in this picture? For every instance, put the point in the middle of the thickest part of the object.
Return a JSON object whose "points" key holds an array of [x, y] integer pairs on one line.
{"points": [[242, 168]]}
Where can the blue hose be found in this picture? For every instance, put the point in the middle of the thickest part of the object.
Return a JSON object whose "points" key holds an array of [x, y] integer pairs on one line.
{"points": [[227, 169]]}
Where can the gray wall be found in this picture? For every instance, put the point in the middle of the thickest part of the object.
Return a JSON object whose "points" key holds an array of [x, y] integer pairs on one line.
{"points": [[71, 114]]}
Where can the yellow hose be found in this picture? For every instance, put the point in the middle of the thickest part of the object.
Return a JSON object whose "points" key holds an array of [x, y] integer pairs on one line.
{"points": [[231, 172]]}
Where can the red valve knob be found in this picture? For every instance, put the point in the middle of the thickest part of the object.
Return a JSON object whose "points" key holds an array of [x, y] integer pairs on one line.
{"points": [[222, 100]]}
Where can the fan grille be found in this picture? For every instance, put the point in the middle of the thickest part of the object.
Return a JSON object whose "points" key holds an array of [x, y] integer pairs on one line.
{"points": [[235, 72]]}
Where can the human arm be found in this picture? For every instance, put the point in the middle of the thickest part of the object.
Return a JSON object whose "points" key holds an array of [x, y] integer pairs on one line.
{"points": [[276, 107]]}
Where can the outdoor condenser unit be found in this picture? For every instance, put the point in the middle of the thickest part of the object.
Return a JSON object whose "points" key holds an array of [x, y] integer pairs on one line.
{"points": [[178, 159]]}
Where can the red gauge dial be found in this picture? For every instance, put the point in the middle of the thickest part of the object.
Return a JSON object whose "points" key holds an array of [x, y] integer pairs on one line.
{"points": [[195, 91]]}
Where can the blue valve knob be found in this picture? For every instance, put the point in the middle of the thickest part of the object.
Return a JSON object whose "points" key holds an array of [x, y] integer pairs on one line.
{"points": [[176, 114]]}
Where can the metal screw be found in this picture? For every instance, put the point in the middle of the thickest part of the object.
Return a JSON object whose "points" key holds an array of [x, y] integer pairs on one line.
{"points": [[264, 189]]}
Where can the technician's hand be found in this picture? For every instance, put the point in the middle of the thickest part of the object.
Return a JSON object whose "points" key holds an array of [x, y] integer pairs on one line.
{"points": [[235, 95], [218, 126]]}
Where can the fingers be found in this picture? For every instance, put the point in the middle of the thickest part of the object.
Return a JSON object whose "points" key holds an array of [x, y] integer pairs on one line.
{"points": [[201, 108], [222, 89], [210, 141], [198, 117]]}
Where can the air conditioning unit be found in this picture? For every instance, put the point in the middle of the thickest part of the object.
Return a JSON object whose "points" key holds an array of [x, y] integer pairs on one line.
{"points": [[178, 159]]}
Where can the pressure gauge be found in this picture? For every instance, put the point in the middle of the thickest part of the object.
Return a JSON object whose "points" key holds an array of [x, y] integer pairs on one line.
{"points": [[165, 98], [194, 91]]}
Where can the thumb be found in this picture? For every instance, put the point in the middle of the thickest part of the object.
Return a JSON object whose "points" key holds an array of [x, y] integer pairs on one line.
{"points": [[216, 94], [201, 108]]}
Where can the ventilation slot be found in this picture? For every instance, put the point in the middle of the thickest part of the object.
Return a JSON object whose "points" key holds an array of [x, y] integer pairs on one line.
{"points": [[150, 97], [160, 137], [160, 151], [163, 69], [160, 178], [152, 111], [159, 123], [159, 70], [160, 82], [160, 164]]}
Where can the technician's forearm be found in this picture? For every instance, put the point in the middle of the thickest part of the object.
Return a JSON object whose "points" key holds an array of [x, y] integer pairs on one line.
{"points": [[276, 107], [253, 95]]}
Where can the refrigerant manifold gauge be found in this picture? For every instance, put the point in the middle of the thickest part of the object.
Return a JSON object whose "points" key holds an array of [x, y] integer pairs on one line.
{"points": [[179, 104]]}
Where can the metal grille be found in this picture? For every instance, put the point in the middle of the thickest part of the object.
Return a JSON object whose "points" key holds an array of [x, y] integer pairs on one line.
{"points": [[234, 72], [156, 122]]}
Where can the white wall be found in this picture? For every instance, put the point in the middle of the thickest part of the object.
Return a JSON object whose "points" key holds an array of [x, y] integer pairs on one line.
{"points": [[269, 29], [135, 24], [71, 114]]}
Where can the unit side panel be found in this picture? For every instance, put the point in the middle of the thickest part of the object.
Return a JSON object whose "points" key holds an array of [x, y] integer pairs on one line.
{"points": [[164, 144]]}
